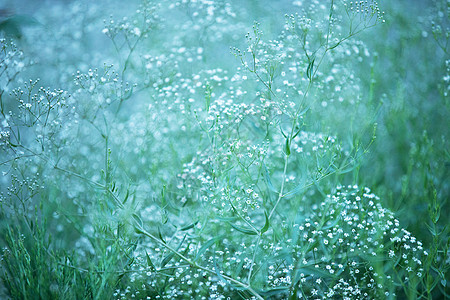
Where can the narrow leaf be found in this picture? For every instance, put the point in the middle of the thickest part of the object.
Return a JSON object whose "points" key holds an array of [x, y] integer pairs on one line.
{"points": [[163, 197], [268, 181], [282, 132], [206, 246], [349, 169], [166, 259], [138, 220], [216, 268], [131, 261], [295, 135], [185, 252], [295, 191], [266, 225], [126, 196], [244, 230], [169, 256], [309, 70], [149, 261], [138, 229], [278, 291], [227, 219], [288, 148], [189, 226], [160, 235], [234, 208], [164, 217]]}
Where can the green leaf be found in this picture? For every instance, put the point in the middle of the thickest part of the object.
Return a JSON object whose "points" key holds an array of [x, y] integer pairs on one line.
{"points": [[431, 229], [294, 191], [268, 181], [120, 277], [278, 291], [138, 220], [288, 147], [397, 261], [227, 219], [266, 225], [206, 246], [138, 230], [149, 261], [237, 268], [166, 259], [126, 196], [186, 251], [294, 293], [160, 235], [295, 135], [234, 208], [282, 132], [189, 226], [309, 70], [216, 268], [331, 224], [169, 256], [164, 217], [163, 197], [244, 230], [349, 169]]}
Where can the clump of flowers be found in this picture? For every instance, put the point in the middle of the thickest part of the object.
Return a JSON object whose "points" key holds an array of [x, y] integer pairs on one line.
{"points": [[353, 247]]}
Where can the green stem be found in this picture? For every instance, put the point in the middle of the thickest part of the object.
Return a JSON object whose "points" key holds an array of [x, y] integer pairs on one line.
{"points": [[280, 194], [195, 265]]}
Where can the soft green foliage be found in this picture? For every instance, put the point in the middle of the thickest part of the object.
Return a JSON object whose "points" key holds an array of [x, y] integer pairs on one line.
{"points": [[141, 159]]}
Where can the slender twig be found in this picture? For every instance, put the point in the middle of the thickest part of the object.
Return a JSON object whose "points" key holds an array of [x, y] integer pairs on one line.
{"points": [[280, 194], [253, 258]]}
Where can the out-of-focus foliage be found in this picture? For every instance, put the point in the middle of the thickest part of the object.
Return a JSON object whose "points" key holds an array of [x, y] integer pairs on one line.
{"points": [[214, 149]]}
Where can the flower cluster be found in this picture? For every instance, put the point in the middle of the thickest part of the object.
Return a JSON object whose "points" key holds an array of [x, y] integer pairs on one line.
{"points": [[368, 11], [346, 244]]}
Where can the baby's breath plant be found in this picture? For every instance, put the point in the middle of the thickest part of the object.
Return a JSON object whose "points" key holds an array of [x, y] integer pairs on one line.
{"points": [[158, 165]]}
